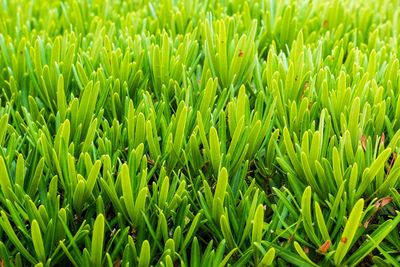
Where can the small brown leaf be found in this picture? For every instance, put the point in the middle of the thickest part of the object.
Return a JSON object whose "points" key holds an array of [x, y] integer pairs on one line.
{"points": [[391, 164], [291, 238], [378, 204], [306, 249], [383, 201], [363, 141], [150, 162], [117, 263], [325, 246], [304, 89], [382, 140]]}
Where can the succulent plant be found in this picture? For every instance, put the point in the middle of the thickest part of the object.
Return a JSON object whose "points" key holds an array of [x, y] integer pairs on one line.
{"points": [[199, 133]]}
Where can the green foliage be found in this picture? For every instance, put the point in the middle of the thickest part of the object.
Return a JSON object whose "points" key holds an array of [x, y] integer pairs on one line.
{"points": [[199, 133]]}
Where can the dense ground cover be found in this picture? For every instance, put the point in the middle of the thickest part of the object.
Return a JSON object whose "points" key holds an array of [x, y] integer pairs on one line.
{"points": [[199, 133]]}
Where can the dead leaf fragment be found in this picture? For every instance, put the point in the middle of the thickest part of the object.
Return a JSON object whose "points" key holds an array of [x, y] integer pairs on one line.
{"points": [[382, 140], [325, 246], [378, 204], [363, 142]]}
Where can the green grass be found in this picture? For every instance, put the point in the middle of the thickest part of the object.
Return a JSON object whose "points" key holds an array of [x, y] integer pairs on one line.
{"points": [[199, 133]]}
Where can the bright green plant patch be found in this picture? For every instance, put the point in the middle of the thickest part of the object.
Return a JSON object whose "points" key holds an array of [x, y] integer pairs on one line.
{"points": [[199, 133]]}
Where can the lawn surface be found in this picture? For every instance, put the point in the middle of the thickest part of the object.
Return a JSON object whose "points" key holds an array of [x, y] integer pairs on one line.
{"points": [[199, 133]]}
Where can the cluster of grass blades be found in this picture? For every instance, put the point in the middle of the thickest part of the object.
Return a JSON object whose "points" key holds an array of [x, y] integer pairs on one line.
{"points": [[199, 133]]}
